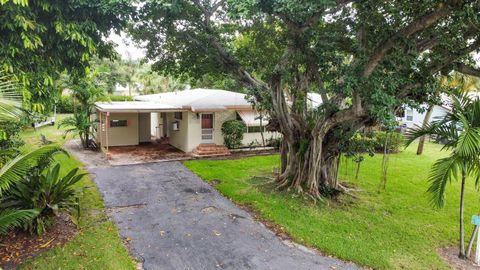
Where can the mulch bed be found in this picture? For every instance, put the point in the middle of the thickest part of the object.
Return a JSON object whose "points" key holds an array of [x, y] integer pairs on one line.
{"points": [[18, 246], [450, 255]]}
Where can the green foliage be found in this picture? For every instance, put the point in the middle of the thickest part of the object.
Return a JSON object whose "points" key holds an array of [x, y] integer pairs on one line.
{"points": [[65, 104], [13, 218], [10, 98], [85, 93], [120, 98], [16, 169], [99, 242], [47, 191], [79, 125], [42, 38], [459, 130], [232, 131], [11, 174], [10, 138], [393, 140]]}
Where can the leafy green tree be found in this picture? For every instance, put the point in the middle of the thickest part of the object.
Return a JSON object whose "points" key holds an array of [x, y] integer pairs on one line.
{"points": [[460, 132], [365, 58], [42, 38]]}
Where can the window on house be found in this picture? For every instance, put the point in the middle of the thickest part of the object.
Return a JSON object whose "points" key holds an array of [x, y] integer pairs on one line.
{"points": [[178, 115], [255, 129], [409, 115], [118, 123]]}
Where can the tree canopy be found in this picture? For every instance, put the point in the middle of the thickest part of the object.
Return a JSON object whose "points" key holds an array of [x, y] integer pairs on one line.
{"points": [[42, 38], [365, 58]]}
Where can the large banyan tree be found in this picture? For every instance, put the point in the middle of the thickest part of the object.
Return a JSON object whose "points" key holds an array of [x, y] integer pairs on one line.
{"points": [[365, 58]]}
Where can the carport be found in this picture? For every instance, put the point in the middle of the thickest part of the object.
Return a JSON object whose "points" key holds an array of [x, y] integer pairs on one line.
{"points": [[121, 124]]}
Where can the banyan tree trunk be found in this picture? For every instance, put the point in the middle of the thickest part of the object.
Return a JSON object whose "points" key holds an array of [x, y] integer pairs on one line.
{"points": [[309, 168]]}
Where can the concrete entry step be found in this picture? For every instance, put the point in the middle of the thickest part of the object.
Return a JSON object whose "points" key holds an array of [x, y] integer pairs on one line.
{"points": [[210, 150]]}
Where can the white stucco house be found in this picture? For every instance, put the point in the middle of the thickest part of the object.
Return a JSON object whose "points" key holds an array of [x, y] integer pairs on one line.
{"points": [[185, 119]]}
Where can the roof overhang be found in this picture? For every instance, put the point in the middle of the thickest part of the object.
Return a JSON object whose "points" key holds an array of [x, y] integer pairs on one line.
{"points": [[135, 107]]}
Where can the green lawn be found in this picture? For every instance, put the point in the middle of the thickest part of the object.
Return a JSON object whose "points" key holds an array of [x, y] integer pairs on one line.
{"points": [[393, 229], [98, 245]]}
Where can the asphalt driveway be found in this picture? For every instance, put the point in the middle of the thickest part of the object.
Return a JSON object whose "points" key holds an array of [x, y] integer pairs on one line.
{"points": [[174, 220]]}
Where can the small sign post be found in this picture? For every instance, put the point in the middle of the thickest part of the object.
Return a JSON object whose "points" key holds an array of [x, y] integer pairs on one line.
{"points": [[476, 222]]}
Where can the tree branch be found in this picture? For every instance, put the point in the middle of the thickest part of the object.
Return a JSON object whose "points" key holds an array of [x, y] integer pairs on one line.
{"points": [[415, 26], [466, 69]]}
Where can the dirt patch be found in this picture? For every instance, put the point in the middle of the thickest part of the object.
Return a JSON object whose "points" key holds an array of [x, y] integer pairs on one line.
{"points": [[18, 246], [144, 153], [450, 255], [214, 182]]}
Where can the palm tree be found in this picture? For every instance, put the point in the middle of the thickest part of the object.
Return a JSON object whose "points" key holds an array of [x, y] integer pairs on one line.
{"points": [[86, 94], [460, 81], [460, 132]]}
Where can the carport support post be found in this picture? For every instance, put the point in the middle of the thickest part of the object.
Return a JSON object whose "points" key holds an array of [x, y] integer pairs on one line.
{"points": [[106, 131]]}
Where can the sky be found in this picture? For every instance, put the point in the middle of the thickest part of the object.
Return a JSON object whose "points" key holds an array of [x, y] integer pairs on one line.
{"points": [[126, 47]]}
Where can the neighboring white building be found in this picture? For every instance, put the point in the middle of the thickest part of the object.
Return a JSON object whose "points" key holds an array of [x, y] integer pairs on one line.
{"points": [[127, 90], [186, 119], [412, 117]]}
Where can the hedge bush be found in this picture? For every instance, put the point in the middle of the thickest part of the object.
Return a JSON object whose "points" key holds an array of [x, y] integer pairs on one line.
{"points": [[120, 98], [395, 141], [232, 131]]}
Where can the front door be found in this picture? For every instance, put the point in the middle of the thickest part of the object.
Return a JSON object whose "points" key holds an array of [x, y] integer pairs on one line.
{"points": [[207, 127]]}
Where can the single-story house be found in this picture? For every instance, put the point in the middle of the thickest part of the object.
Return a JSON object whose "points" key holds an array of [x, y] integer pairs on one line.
{"points": [[185, 119]]}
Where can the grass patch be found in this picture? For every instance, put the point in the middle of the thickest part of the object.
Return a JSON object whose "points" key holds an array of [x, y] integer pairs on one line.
{"points": [[392, 229], [98, 245]]}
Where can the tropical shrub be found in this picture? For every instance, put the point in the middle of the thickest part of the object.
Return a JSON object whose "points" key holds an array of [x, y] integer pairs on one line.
{"points": [[14, 171], [85, 93], [65, 104], [45, 190], [79, 125], [232, 131]]}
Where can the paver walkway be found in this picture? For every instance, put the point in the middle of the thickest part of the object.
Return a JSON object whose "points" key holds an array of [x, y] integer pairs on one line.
{"points": [[174, 220]]}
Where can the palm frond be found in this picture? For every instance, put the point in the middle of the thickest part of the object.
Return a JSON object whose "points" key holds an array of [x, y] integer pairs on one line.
{"points": [[442, 172], [10, 98], [11, 218], [468, 144], [14, 170]]}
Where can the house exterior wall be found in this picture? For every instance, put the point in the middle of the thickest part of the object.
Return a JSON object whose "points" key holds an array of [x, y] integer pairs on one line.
{"points": [[179, 138], [437, 113], [255, 138], [195, 137], [144, 130], [119, 136]]}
